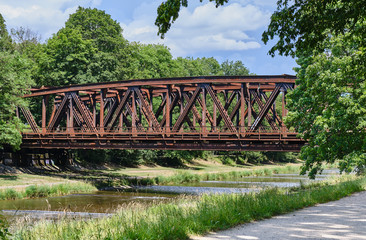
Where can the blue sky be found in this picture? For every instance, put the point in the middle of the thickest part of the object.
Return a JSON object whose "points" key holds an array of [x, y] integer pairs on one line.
{"points": [[230, 32]]}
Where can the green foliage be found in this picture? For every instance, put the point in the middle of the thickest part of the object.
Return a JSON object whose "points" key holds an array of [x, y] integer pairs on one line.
{"points": [[328, 106], [5, 39], [35, 191], [25, 40], [149, 61], [131, 158], [168, 12], [4, 228], [90, 48], [14, 83], [304, 25], [99, 27], [247, 157], [231, 68], [68, 61]]}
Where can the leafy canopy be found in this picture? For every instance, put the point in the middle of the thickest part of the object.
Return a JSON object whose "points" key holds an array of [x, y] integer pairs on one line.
{"points": [[14, 83], [90, 48], [168, 12], [5, 39], [303, 25], [328, 108]]}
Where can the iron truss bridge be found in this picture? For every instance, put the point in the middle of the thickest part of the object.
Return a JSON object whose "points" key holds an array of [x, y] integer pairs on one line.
{"points": [[190, 113]]}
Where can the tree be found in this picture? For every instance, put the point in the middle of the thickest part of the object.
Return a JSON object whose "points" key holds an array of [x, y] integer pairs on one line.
{"points": [[68, 60], [90, 48], [190, 67], [5, 39], [232, 68], [26, 41], [149, 61], [303, 25], [328, 106], [96, 25], [168, 12], [14, 83]]}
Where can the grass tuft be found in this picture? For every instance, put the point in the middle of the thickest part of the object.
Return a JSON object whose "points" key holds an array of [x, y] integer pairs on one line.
{"points": [[35, 191]]}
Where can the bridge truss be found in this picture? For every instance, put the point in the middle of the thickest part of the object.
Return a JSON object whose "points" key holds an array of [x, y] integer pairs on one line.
{"points": [[192, 113]]}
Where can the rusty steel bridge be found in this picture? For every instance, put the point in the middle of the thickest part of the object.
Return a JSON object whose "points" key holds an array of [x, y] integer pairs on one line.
{"points": [[190, 113]]}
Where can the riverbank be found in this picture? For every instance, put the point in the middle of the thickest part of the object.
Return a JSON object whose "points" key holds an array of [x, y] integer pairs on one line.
{"points": [[192, 216], [108, 177]]}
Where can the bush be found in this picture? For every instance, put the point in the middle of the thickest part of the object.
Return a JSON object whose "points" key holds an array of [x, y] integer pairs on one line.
{"points": [[4, 228]]}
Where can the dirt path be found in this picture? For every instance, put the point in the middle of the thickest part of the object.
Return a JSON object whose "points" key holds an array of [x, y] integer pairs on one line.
{"points": [[342, 219]]}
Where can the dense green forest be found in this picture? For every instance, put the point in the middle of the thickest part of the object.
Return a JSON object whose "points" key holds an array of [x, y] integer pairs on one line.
{"points": [[91, 48]]}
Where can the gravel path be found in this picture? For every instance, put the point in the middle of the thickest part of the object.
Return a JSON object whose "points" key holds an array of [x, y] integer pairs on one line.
{"points": [[342, 219]]}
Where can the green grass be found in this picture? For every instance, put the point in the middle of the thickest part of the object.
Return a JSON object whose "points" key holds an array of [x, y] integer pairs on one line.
{"points": [[35, 191], [193, 216]]}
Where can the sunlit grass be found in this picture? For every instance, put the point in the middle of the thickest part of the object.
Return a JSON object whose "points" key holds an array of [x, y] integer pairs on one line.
{"points": [[35, 191]]}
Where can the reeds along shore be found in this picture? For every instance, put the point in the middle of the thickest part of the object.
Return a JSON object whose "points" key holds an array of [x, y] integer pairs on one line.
{"points": [[185, 176], [185, 217], [35, 191]]}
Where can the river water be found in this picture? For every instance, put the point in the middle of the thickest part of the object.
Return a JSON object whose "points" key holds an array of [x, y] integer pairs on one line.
{"points": [[103, 203]]}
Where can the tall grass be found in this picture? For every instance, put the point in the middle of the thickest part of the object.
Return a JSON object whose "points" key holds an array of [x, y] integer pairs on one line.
{"points": [[35, 191], [186, 217], [186, 177]]}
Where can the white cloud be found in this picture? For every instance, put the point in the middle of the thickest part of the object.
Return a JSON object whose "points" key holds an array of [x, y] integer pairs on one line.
{"points": [[203, 29], [44, 17]]}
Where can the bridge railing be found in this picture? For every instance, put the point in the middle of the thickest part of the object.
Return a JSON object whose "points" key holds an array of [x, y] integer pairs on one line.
{"points": [[147, 133]]}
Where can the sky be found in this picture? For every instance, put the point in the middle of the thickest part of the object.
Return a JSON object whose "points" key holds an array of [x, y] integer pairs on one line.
{"points": [[230, 32]]}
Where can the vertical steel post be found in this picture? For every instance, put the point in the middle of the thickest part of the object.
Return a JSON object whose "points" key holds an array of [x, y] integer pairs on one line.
{"points": [[44, 100], [167, 109], [151, 102], [101, 112], [94, 101], [120, 122], [249, 106], [204, 109], [134, 113], [237, 123], [71, 120], [214, 113], [284, 112], [242, 107]]}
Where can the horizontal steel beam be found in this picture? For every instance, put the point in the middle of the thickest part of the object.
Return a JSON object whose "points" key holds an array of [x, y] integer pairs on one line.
{"points": [[261, 79]]}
